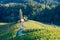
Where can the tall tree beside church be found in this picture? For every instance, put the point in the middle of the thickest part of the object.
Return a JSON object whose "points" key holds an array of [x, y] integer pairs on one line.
{"points": [[20, 14]]}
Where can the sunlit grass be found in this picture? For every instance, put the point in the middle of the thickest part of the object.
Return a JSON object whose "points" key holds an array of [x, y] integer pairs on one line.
{"points": [[41, 35], [30, 25], [44, 31], [3, 23]]}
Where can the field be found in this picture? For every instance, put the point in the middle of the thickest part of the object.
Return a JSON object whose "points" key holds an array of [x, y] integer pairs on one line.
{"points": [[8, 30], [33, 31]]}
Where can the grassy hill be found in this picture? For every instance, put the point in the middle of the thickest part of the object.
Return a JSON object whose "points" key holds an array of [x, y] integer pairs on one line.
{"points": [[33, 31], [39, 31]]}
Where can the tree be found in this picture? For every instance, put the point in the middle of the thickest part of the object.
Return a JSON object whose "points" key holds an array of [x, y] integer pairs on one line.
{"points": [[20, 14]]}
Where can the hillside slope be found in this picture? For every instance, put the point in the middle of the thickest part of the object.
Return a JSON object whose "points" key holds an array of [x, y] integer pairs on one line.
{"points": [[32, 30], [39, 31]]}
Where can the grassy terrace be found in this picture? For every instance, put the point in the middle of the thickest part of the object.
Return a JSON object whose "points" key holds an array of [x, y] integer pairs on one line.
{"points": [[34, 31]]}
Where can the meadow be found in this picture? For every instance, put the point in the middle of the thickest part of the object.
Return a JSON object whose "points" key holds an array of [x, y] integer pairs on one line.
{"points": [[33, 31], [39, 31]]}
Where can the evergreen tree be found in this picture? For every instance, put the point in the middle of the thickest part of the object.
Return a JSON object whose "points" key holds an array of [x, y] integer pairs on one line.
{"points": [[20, 14]]}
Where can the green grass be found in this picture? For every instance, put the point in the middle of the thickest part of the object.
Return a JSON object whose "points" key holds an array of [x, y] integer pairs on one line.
{"points": [[3, 24], [33, 31], [40, 35], [33, 25], [39, 31], [8, 30]]}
